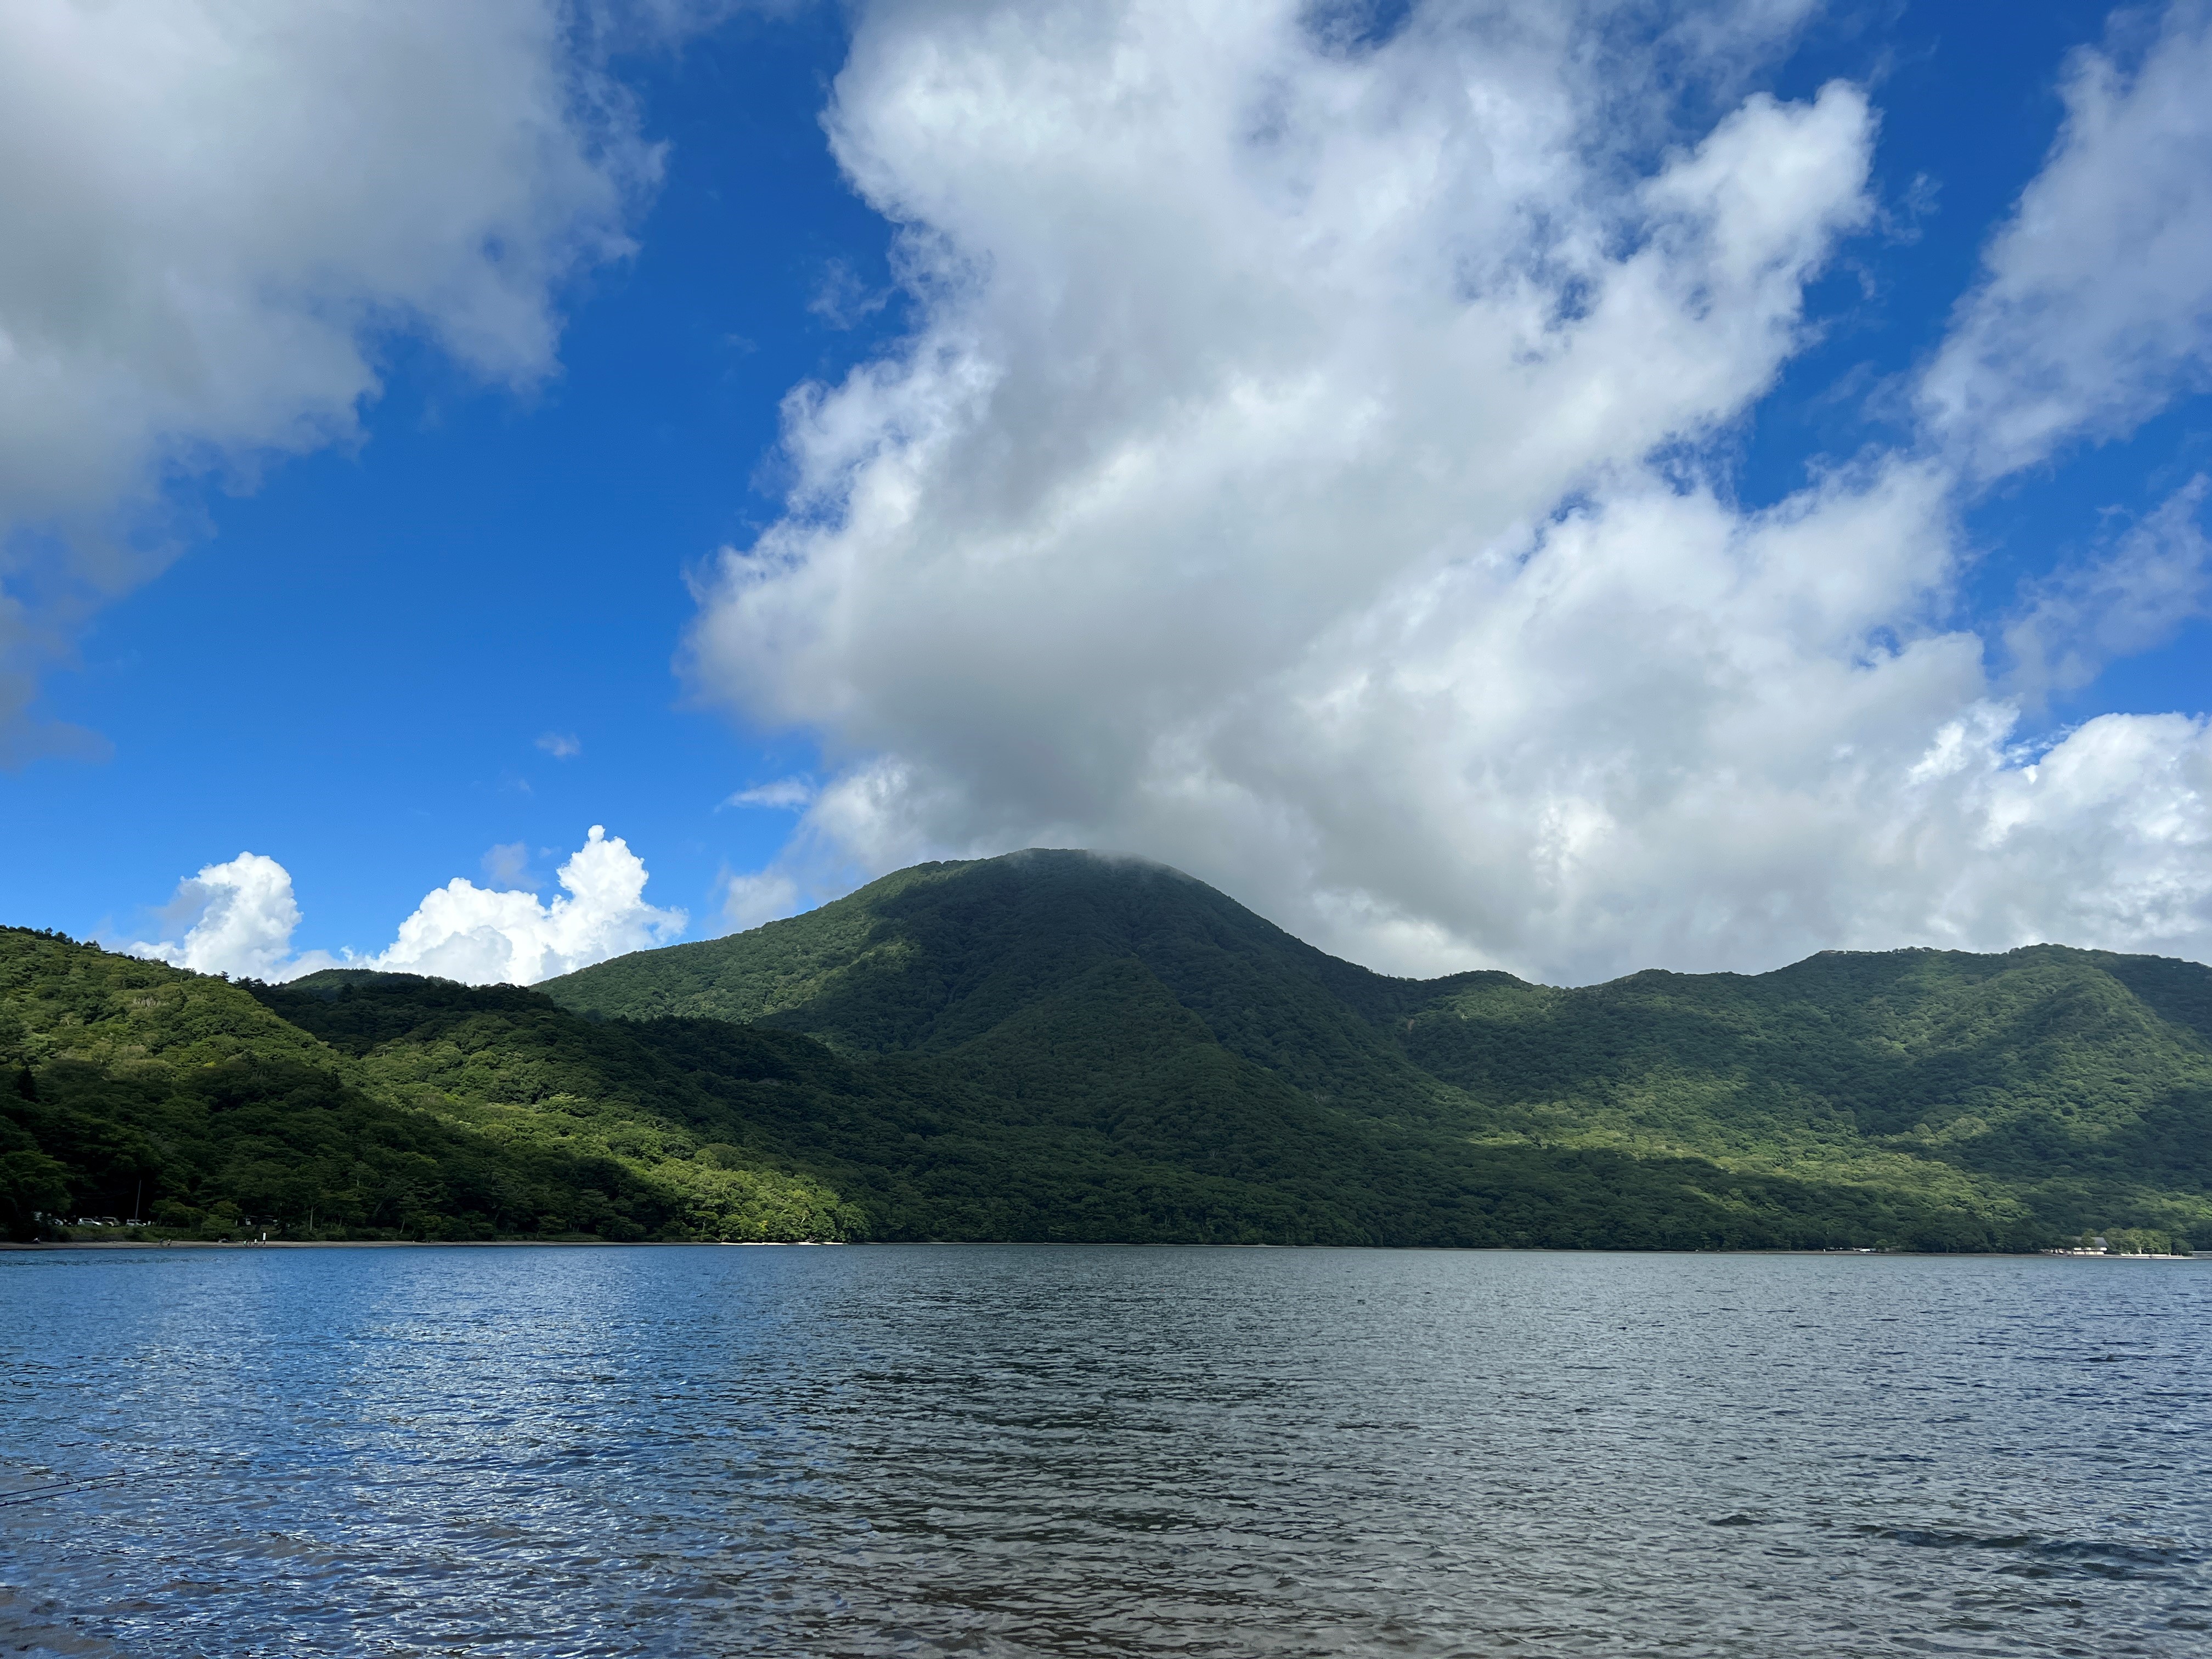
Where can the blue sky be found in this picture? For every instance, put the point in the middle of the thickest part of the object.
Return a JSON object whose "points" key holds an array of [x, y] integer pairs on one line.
{"points": [[352, 664], [365, 647]]}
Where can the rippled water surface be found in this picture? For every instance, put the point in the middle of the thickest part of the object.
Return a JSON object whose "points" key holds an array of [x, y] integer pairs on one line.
{"points": [[1036, 1451]]}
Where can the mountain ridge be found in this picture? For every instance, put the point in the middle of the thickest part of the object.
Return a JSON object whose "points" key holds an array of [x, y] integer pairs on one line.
{"points": [[1055, 1045], [1874, 1066]]}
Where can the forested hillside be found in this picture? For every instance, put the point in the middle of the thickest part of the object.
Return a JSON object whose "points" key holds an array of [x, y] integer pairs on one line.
{"points": [[1058, 1046], [136, 1090], [2040, 1092]]}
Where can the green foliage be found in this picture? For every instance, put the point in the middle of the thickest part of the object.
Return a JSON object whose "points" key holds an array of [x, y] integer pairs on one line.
{"points": [[1057, 1046], [2143, 1241], [535, 1079], [151, 1093], [2040, 1072], [1923, 1097], [31, 1184]]}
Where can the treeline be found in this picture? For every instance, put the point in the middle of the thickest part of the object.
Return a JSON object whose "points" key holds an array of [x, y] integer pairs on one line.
{"points": [[1922, 1098], [393, 1107], [139, 1093], [1054, 1046], [259, 1142]]}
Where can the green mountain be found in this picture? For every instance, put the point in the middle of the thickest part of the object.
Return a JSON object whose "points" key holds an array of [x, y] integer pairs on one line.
{"points": [[131, 1089], [1969, 1099], [1055, 1045]]}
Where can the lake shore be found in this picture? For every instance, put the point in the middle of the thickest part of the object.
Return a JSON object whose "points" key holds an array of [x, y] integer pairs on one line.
{"points": [[974, 1244], [405, 1244]]}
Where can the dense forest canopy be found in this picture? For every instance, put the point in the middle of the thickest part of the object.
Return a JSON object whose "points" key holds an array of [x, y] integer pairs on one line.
{"points": [[1055, 1045]]}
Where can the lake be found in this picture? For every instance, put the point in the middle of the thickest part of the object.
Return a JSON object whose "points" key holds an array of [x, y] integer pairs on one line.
{"points": [[984, 1451]]}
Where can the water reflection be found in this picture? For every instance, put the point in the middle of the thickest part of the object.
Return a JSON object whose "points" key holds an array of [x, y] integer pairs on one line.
{"points": [[1093, 1451]]}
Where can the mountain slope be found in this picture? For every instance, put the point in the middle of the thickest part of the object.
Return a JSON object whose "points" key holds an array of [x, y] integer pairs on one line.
{"points": [[353, 1105], [2044, 1068], [2045, 1089], [133, 1088], [934, 957], [1139, 1129], [1057, 1046]]}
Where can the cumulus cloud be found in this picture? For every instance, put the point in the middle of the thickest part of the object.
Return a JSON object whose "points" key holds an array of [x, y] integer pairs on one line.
{"points": [[216, 209], [561, 745], [2096, 309], [481, 937], [1293, 476], [506, 864], [247, 916], [242, 915]]}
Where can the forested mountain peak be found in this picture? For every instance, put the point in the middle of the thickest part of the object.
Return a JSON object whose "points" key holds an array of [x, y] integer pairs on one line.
{"points": [[1060, 1045], [888, 965]]}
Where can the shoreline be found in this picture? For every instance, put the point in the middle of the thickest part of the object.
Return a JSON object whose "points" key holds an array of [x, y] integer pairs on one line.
{"points": [[1011, 1244], [413, 1243]]}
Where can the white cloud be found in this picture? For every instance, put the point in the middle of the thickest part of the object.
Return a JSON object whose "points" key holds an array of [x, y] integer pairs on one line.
{"points": [[243, 913], [2154, 581], [784, 795], [506, 864], [561, 745], [1286, 480], [2096, 309], [749, 901], [480, 936], [843, 300], [2104, 839], [217, 209]]}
